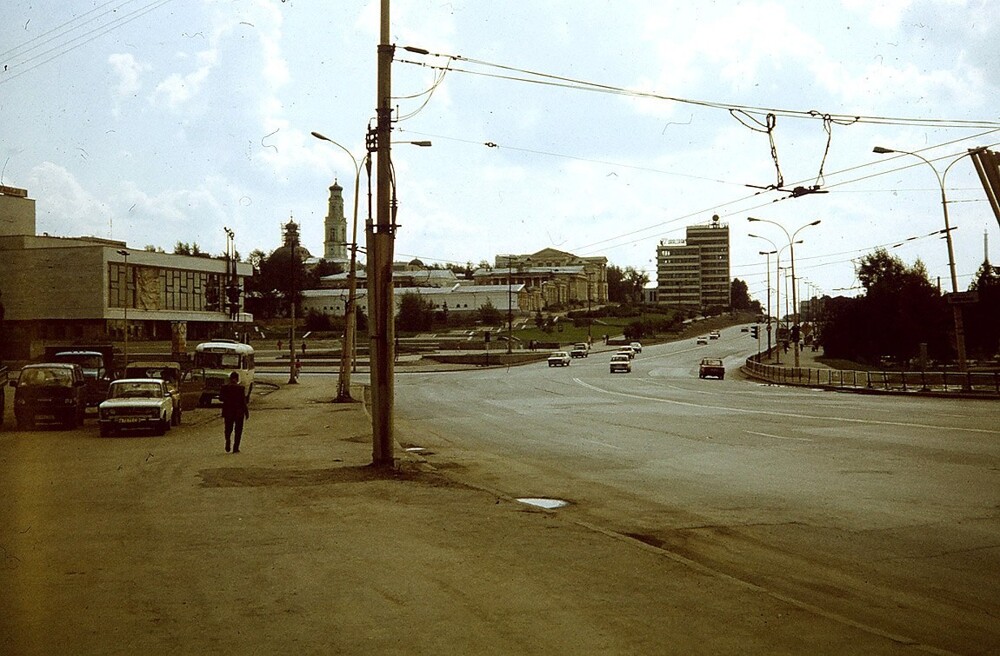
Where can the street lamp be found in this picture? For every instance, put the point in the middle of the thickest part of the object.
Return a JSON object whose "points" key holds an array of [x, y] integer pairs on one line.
{"points": [[768, 254], [777, 289], [347, 357], [795, 306], [955, 307], [124, 253], [510, 310], [350, 317]]}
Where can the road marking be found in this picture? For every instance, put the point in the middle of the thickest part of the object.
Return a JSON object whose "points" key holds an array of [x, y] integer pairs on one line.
{"points": [[610, 446], [776, 413], [780, 437]]}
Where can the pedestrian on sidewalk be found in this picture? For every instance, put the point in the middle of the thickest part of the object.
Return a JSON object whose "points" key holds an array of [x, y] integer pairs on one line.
{"points": [[234, 409]]}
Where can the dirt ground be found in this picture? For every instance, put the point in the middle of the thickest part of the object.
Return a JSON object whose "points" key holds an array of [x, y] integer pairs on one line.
{"points": [[159, 545]]}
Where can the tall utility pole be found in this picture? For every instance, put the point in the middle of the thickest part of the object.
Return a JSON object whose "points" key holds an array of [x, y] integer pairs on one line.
{"points": [[380, 251]]}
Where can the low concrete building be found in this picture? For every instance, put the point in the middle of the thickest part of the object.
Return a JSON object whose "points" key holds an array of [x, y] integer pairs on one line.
{"points": [[87, 289], [457, 298]]}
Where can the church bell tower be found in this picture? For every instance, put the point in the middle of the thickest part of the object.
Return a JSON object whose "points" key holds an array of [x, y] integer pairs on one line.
{"points": [[335, 235]]}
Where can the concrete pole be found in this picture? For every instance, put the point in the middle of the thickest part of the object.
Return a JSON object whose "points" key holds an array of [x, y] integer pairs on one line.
{"points": [[380, 240]]}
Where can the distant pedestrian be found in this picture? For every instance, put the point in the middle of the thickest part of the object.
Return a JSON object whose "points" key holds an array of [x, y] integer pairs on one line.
{"points": [[279, 344], [303, 347], [234, 409]]}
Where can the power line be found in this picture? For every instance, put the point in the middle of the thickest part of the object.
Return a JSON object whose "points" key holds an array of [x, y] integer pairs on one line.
{"points": [[68, 46], [548, 79]]}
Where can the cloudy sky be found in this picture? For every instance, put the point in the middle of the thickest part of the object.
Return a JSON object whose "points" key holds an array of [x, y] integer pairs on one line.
{"points": [[599, 127]]}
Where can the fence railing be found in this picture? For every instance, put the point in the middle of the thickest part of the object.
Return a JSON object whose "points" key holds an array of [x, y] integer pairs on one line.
{"points": [[976, 382]]}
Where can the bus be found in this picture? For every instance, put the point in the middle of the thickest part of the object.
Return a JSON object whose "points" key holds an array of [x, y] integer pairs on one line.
{"points": [[219, 358]]}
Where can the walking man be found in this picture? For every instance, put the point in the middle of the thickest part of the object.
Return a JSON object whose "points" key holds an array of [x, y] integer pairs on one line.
{"points": [[234, 409]]}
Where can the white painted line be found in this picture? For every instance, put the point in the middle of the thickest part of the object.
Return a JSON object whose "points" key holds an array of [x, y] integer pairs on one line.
{"points": [[780, 437], [610, 446]]}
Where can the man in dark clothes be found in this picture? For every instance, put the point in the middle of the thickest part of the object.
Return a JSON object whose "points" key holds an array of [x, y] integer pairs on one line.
{"points": [[234, 409]]}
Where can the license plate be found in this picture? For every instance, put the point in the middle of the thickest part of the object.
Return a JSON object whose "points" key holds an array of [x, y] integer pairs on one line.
{"points": [[130, 420]]}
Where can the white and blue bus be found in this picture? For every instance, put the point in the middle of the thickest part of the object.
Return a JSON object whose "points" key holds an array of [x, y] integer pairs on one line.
{"points": [[219, 358]]}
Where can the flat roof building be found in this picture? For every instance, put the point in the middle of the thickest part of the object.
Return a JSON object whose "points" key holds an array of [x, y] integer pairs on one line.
{"points": [[75, 289], [694, 273]]}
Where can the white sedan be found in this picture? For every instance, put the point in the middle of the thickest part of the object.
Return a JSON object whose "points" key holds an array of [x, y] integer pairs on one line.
{"points": [[559, 359], [136, 403]]}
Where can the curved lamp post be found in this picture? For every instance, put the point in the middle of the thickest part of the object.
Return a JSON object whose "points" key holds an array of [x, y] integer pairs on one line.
{"points": [[350, 309], [791, 248], [955, 307], [350, 318]]}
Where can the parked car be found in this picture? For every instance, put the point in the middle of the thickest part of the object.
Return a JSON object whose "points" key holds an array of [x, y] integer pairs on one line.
{"points": [[50, 390], [627, 350], [136, 403], [579, 351], [559, 359], [711, 367], [185, 386], [636, 346], [621, 362], [702, 340], [96, 374]]}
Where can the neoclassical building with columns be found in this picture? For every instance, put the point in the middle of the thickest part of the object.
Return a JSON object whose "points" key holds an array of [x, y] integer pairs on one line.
{"points": [[550, 278]]}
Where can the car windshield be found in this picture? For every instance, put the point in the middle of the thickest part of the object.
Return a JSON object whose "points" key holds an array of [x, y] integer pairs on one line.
{"points": [[136, 390], [85, 360], [46, 377], [217, 360]]}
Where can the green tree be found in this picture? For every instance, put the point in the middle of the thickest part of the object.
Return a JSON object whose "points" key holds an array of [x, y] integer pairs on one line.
{"points": [[982, 319], [415, 314], [739, 295], [489, 315], [900, 310]]}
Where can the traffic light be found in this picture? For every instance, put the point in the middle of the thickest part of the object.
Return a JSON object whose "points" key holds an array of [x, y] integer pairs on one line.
{"points": [[755, 332]]}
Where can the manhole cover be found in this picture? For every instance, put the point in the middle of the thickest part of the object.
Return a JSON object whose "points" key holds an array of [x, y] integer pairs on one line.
{"points": [[544, 503]]}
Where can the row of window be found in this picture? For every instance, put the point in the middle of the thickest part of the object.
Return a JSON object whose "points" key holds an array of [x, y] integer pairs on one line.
{"points": [[152, 288]]}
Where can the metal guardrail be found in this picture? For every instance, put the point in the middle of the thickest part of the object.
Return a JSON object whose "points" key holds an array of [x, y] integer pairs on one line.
{"points": [[979, 383]]}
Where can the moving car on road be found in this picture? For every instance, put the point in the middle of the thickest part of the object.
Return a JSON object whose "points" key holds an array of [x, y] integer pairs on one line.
{"points": [[636, 346], [711, 367], [136, 403], [559, 359], [714, 334], [702, 340], [50, 390], [621, 362], [579, 351], [627, 350]]}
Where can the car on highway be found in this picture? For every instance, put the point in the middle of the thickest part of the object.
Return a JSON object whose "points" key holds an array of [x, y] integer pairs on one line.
{"points": [[136, 404], [627, 350], [711, 367], [621, 362], [702, 340], [559, 359], [50, 390], [636, 346], [714, 334], [579, 351]]}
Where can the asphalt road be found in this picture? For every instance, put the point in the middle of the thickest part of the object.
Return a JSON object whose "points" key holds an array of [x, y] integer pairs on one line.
{"points": [[882, 512]]}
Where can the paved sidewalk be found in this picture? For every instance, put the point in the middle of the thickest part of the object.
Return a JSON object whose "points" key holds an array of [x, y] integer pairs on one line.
{"points": [[296, 546]]}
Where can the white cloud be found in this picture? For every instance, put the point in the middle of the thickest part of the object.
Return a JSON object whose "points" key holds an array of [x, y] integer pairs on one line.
{"points": [[64, 207], [129, 72]]}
